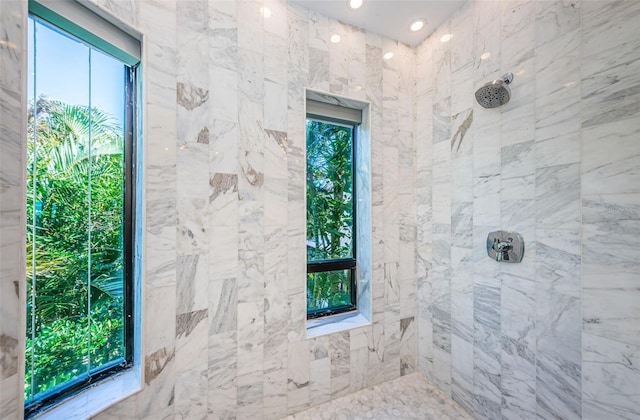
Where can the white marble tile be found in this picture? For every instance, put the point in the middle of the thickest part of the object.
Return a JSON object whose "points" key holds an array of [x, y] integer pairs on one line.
{"points": [[556, 18], [276, 60], [193, 224], [358, 370], [192, 19], [611, 219], [441, 371], [613, 18], [13, 18], [191, 394], [558, 327], [518, 347], [275, 109], [408, 345], [9, 401], [275, 394], [614, 168], [250, 392], [557, 66], [462, 372], [612, 314], [222, 374], [320, 380], [160, 306], [298, 376], [223, 253], [557, 150], [224, 105], [558, 197], [611, 378], [518, 123], [518, 160], [276, 23], [487, 148], [250, 339], [250, 26], [157, 398], [223, 301], [609, 88], [192, 282], [486, 204], [486, 377], [610, 251]]}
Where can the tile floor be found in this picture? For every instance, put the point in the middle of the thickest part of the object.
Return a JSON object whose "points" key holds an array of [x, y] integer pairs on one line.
{"points": [[408, 397]]}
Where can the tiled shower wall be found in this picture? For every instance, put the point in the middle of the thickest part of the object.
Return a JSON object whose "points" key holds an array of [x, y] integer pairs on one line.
{"points": [[557, 336], [12, 214], [224, 213]]}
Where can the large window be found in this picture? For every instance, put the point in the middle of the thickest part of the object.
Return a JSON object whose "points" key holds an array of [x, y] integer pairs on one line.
{"points": [[331, 211], [80, 199]]}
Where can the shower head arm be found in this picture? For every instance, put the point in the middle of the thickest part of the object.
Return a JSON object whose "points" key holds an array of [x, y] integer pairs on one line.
{"points": [[507, 78]]}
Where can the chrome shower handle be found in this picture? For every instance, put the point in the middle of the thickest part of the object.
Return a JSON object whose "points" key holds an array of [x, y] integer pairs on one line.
{"points": [[501, 249], [505, 246]]}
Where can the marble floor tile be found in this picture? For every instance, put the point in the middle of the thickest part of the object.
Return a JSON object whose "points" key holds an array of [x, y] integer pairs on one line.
{"points": [[408, 397]]}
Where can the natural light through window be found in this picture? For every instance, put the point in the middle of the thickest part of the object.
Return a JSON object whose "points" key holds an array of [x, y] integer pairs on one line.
{"points": [[79, 215], [331, 251]]}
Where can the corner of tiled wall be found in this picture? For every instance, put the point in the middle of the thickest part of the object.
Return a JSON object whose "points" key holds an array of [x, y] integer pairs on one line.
{"points": [[557, 164]]}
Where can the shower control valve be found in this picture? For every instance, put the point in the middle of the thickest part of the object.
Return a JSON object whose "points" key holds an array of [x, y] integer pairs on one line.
{"points": [[502, 249], [504, 246]]}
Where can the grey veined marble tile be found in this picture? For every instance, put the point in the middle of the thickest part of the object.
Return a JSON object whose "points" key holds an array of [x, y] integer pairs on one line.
{"points": [[408, 397], [611, 379]]}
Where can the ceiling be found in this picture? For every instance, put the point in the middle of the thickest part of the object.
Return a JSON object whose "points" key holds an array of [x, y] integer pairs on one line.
{"points": [[390, 18]]}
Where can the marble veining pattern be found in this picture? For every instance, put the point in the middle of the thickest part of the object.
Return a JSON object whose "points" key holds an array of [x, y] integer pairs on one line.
{"points": [[408, 397], [224, 296], [558, 164]]}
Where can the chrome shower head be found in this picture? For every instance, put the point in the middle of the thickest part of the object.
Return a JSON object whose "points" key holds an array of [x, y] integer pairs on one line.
{"points": [[496, 93]]}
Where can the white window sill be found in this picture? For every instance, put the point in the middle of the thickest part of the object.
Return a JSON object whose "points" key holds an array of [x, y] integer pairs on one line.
{"points": [[95, 399], [336, 323]]}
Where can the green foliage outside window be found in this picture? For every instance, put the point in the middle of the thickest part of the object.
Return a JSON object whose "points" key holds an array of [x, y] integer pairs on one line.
{"points": [[74, 186], [329, 211]]}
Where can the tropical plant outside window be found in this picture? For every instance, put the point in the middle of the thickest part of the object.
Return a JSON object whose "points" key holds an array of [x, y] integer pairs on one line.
{"points": [[330, 218], [79, 201]]}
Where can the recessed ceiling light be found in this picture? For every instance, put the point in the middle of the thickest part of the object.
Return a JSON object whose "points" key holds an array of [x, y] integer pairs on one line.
{"points": [[417, 24], [485, 56], [446, 37], [335, 38], [388, 55], [354, 4], [266, 12]]}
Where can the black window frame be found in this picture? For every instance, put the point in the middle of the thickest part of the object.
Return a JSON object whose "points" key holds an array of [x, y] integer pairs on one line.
{"points": [[62, 392], [340, 264]]}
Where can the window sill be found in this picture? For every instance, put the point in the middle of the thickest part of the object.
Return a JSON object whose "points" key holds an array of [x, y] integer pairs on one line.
{"points": [[336, 323], [95, 399]]}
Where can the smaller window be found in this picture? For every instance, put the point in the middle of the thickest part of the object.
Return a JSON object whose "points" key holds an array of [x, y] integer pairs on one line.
{"points": [[331, 211]]}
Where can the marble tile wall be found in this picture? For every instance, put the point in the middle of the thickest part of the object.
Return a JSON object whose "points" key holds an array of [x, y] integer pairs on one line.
{"points": [[224, 230], [12, 193], [557, 335], [554, 337]]}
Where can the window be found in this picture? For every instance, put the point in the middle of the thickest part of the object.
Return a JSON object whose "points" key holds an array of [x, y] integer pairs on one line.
{"points": [[331, 209], [80, 202]]}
